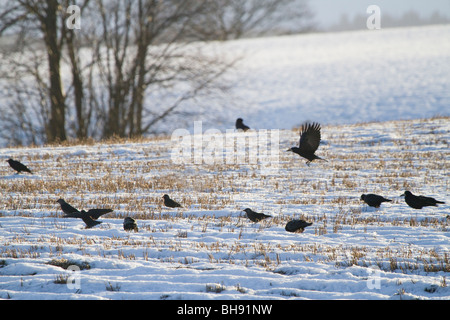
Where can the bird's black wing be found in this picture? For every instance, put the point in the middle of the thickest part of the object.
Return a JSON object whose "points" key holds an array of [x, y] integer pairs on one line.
{"points": [[175, 204], [172, 203], [429, 200], [96, 213], [73, 215], [69, 210], [310, 137], [378, 198]]}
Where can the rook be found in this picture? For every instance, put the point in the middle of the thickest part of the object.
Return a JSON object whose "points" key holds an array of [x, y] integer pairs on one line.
{"points": [[170, 203], [19, 167], [309, 142], [418, 202], [373, 200], [297, 226], [255, 216], [240, 125]]}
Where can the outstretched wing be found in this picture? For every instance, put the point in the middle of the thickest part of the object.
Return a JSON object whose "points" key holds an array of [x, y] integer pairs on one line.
{"points": [[69, 210], [96, 213], [72, 215], [310, 137]]}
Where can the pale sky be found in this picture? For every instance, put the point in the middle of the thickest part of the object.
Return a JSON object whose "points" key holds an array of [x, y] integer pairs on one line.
{"points": [[329, 12]]}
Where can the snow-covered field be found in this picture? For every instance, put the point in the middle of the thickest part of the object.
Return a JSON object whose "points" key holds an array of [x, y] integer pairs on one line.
{"points": [[208, 249]]}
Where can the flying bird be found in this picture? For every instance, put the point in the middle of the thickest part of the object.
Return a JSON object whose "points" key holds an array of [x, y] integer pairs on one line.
{"points": [[170, 203], [418, 202], [373, 200], [129, 224], [255, 216], [88, 217], [297, 226], [309, 142], [19, 167], [240, 125]]}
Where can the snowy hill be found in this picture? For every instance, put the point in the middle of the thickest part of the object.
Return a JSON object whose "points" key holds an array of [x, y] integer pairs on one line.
{"points": [[208, 249], [333, 78]]}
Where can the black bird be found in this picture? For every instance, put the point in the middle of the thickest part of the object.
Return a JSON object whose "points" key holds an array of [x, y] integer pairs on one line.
{"points": [[418, 202], [71, 212], [88, 217], [255, 216], [240, 125], [19, 167], [309, 142], [374, 200], [129, 224], [170, 203], [297, 226]]}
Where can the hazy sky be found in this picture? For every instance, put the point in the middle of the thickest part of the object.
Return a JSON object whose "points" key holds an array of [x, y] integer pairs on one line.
{"points": [[329, 12]]}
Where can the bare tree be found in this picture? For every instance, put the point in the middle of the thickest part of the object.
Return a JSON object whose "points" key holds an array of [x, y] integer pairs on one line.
{"points": [[38, 22], [26, 110], [125, 52], [234, 19], [142, 47], [132, 47]]}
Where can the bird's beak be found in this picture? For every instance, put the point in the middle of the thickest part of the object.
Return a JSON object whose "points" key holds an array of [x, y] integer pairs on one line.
{"points": [[402, 195], [288, 150]]}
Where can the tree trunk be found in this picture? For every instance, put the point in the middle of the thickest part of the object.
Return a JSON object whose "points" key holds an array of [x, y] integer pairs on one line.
{"points": [[77, 87], [56, 127]]}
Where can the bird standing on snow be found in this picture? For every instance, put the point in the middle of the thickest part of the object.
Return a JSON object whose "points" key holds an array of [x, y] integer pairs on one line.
{"points": [[88, 217], [373, 200], [418, 202], [297, 226], [19, 167], [309, 142], [255, 216], [240, 125], [129, 224], [170, 203]]}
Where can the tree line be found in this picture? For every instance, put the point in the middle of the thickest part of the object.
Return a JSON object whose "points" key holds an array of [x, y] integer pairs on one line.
{"points": [[60, 82]]}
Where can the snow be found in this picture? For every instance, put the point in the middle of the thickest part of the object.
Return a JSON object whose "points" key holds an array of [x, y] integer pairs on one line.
{"points": [[335, 78], [376, 94]]}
